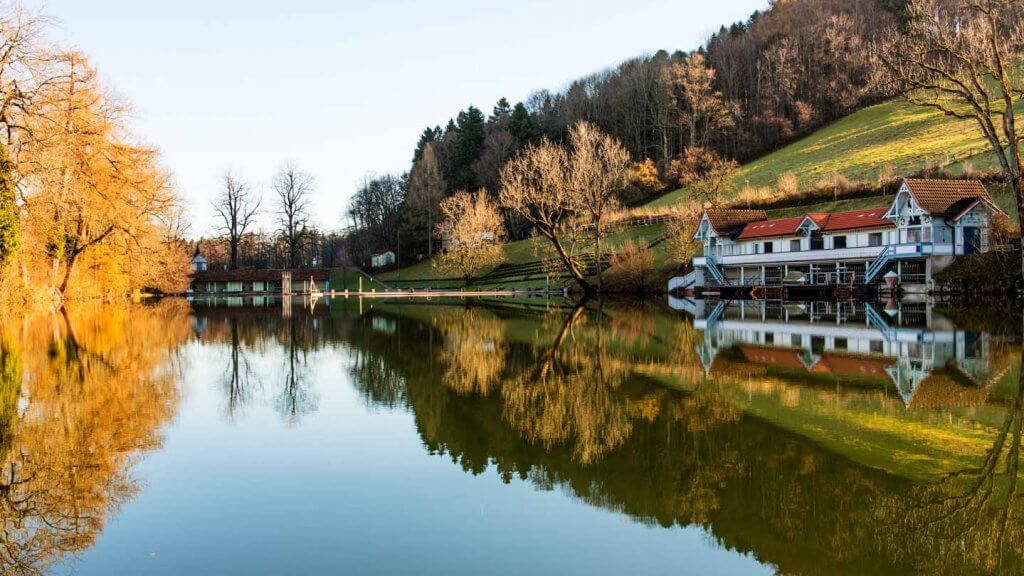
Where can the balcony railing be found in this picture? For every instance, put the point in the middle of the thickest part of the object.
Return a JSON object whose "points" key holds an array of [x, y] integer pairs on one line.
{"points": [[857, 253]]}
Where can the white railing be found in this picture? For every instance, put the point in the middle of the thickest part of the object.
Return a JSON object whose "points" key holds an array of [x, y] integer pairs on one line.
{"points": [[828, 255]]}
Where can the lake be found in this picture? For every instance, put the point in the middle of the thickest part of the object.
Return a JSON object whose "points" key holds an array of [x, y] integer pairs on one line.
{"points": [[515, 436]]}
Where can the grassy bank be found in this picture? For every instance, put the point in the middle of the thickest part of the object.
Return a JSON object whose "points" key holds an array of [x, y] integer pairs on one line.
{"points": [[893, 135]]}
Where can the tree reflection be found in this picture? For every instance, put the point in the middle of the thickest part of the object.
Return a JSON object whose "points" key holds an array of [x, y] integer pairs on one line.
{"points": [[978, 510], [251, 334], [239, 380], [296, 397], [568, 401], [102, 382]]}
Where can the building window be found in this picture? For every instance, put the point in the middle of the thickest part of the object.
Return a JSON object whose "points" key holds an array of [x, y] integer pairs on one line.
{"points": [[795, 340], [817, 243], [817, 344], [769, 338], [769, 247], [877, 347], [841, 344], [794, 245], [839, 242], [875, 239]]}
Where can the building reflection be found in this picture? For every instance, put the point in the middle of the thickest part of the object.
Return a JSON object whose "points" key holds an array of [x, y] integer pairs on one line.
{"points": [[908, 349]]}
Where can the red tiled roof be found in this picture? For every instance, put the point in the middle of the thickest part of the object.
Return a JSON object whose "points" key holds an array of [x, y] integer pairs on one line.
{"points": [[848, 220], [940, 197], [727, 222], [265, 275], [771, 228], [818, 218], [857, 219], [778, 357], [851, 365]]}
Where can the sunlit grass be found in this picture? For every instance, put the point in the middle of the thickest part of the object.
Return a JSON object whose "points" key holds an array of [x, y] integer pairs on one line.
{"points": [[895, 133]]}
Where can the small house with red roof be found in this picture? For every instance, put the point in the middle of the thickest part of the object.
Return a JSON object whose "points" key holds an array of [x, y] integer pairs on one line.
{"points": [[928, 224]]}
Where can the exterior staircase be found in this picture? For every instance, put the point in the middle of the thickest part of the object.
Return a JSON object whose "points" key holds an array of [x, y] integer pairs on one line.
{"points": [[716, 313], [716, 272], [878, 321], [878, 264]]}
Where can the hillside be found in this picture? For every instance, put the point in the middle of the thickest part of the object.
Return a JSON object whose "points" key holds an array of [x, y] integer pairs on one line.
{"points": [[895, 133], [859, 146]]}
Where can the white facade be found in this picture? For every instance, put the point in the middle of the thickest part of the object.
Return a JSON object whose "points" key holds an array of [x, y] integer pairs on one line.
{"points": [[909, 240]]}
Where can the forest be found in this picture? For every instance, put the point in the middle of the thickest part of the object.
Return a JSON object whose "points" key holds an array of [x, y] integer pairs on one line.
{"points": [[752, 87]]}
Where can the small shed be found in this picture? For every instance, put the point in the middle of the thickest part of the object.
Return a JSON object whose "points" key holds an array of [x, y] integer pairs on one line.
{"points": [[382, 259], [198, 261]]}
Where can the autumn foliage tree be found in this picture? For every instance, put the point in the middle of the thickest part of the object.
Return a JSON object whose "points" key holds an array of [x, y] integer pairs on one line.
{"points": [[471, 229], [92, 195], [86, 210]]}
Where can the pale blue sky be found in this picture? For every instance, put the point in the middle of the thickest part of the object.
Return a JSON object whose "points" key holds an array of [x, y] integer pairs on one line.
{"points": [[345, 88]]}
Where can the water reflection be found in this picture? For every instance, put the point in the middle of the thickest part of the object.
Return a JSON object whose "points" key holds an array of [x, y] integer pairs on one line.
{"points": [[84, 393], [829, 439], [818, 439]]}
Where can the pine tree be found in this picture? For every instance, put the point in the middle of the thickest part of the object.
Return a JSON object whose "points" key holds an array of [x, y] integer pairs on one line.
{"points": [[429, 135], [501, 110], [520, 126], [467, 147], [10, 224]]}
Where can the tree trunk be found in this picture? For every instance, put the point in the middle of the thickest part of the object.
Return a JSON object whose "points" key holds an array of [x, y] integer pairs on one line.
{"points": [[573, 271], [67, 272], [1017, 188]]}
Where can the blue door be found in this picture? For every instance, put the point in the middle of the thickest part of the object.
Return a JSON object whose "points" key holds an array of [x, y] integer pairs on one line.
{"points": [[972, 240]]}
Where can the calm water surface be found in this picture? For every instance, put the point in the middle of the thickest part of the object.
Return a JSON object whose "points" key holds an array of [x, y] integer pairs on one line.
{"points": [[511, 437]]}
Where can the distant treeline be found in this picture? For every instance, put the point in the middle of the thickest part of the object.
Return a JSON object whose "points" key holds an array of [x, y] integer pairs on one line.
{"points": [[754, 86]]}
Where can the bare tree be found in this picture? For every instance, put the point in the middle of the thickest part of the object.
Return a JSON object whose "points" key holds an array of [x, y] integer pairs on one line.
{"points": [[534, 186], [293, 188], [236, 207], [963, 58], [565, 193], [598, 168], [702, 109]]}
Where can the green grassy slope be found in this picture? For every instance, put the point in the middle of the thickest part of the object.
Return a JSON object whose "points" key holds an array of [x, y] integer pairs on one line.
{"points": [[896, 133], [519, 268]]}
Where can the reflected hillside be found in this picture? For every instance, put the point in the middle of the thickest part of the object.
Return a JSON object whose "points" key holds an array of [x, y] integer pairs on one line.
{"points": [[821, 458], [84, 394]]}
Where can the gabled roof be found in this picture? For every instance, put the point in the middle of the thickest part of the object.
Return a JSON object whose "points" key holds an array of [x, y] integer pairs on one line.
{"points": [[819, 218], [770, 228], [729, 222], [849, 220], [857, 219], [771, 356], [946, 197]]}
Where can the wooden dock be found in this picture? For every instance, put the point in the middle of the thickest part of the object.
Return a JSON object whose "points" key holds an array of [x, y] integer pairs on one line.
{"points": [[443, 293]]}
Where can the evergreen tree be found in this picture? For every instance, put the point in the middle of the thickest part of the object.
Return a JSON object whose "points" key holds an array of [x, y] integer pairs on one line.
{"points": [[520, 126], [501, 110], [467, 147], [429, 135], [10, 224]]}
